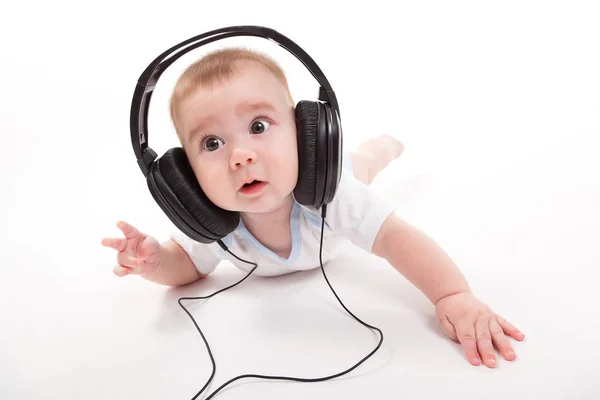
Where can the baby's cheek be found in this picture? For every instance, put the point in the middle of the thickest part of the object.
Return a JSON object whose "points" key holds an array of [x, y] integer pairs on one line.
{"points": [[219, 194], [209, 183], [288, 171]]}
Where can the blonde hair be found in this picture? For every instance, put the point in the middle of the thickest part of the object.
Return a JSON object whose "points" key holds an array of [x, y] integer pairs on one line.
{"points": [[218, 67]]}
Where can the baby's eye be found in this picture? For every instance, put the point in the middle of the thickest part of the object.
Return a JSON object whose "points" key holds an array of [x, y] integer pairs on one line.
{"points": [[259, 126], [211, 144]]}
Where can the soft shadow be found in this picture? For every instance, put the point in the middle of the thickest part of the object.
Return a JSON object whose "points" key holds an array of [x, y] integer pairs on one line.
{"points": [[350, 375], [368, 367], [374, 275], [351, 275], [173, 318], [355, 272]]}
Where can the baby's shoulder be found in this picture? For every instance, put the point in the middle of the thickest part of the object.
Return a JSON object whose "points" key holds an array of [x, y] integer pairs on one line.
{"points": [[357, 211]]}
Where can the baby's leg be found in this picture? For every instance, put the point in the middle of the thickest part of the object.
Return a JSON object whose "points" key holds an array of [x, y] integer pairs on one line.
{"points": [[373, 155]]}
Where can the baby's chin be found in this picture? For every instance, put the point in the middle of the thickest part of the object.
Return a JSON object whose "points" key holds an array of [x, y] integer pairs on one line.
{"points": [[264, 205]]}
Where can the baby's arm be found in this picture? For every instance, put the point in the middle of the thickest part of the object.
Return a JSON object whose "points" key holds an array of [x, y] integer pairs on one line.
{"points": [[141, 254], [460, 314], [416, 256], [175, 267]]}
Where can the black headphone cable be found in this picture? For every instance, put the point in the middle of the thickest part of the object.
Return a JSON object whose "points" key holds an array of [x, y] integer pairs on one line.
{"points": [[323, 214]]}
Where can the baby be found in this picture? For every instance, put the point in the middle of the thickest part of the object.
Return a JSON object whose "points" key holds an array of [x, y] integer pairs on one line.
{"points": [[234, 116]]}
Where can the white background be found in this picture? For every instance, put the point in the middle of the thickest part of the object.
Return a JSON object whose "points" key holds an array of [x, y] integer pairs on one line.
{"points": [[498, 105]]}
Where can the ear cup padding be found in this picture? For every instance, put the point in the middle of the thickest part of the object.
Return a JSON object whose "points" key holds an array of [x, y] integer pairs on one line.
{"points": [[177, 182], [307, 125]]}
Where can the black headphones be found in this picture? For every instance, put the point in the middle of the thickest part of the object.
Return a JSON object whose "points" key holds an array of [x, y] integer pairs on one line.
{"points": [[171, 179]]}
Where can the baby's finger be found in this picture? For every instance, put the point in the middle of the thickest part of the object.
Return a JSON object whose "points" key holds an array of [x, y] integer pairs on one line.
{"points": [[126, 260], [147, 247], [121, 271], [129, 231], [448, 328], [510, 329], [115, 243], [501, 340], [484, 341], [465, 331]]}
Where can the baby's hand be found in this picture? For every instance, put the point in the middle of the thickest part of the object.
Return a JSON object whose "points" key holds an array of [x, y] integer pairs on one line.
{"points": [[138, 253], [466, 319]]}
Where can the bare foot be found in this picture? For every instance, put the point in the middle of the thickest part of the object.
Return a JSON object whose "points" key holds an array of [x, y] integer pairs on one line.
{"points": [[373, 155], [384, 146]]}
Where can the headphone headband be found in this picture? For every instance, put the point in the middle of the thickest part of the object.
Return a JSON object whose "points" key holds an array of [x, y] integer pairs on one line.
{"points": [[147, 80]]}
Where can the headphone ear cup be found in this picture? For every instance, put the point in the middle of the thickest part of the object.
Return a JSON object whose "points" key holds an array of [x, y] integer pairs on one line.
{"points": [[307, 122], [175, 187]]}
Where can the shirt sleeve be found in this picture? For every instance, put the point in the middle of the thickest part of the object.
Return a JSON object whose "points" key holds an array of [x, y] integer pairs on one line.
{"points": [[357, 212], [204, 256]]}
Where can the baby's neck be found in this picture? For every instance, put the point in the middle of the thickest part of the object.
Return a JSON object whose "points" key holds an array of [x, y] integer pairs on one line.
{"points": [[277, 216], [272, 228]]}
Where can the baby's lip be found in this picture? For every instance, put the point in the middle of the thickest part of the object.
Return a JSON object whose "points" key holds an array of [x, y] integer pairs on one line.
{"points": [[249, 180]]}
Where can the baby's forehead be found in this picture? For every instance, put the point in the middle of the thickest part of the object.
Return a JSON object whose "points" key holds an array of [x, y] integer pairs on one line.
{"points": [[265, 85], [254, 71]]}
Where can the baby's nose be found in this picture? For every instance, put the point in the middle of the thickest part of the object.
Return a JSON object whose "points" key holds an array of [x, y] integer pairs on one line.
{"points": [[240, 157]]}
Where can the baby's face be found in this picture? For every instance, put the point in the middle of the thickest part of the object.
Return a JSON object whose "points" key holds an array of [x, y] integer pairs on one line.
{"points": [[238, 131]]}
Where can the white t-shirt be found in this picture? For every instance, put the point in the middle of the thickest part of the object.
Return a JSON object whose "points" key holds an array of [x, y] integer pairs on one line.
{"points": [[356, 213]]}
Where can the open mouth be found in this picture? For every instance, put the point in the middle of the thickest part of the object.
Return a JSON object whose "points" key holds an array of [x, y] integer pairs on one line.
{"points": [[253, 187], [251, 183]]}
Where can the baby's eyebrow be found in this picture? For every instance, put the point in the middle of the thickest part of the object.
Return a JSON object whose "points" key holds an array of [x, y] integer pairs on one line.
{"points": [[199, 126], [247, 106]]}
